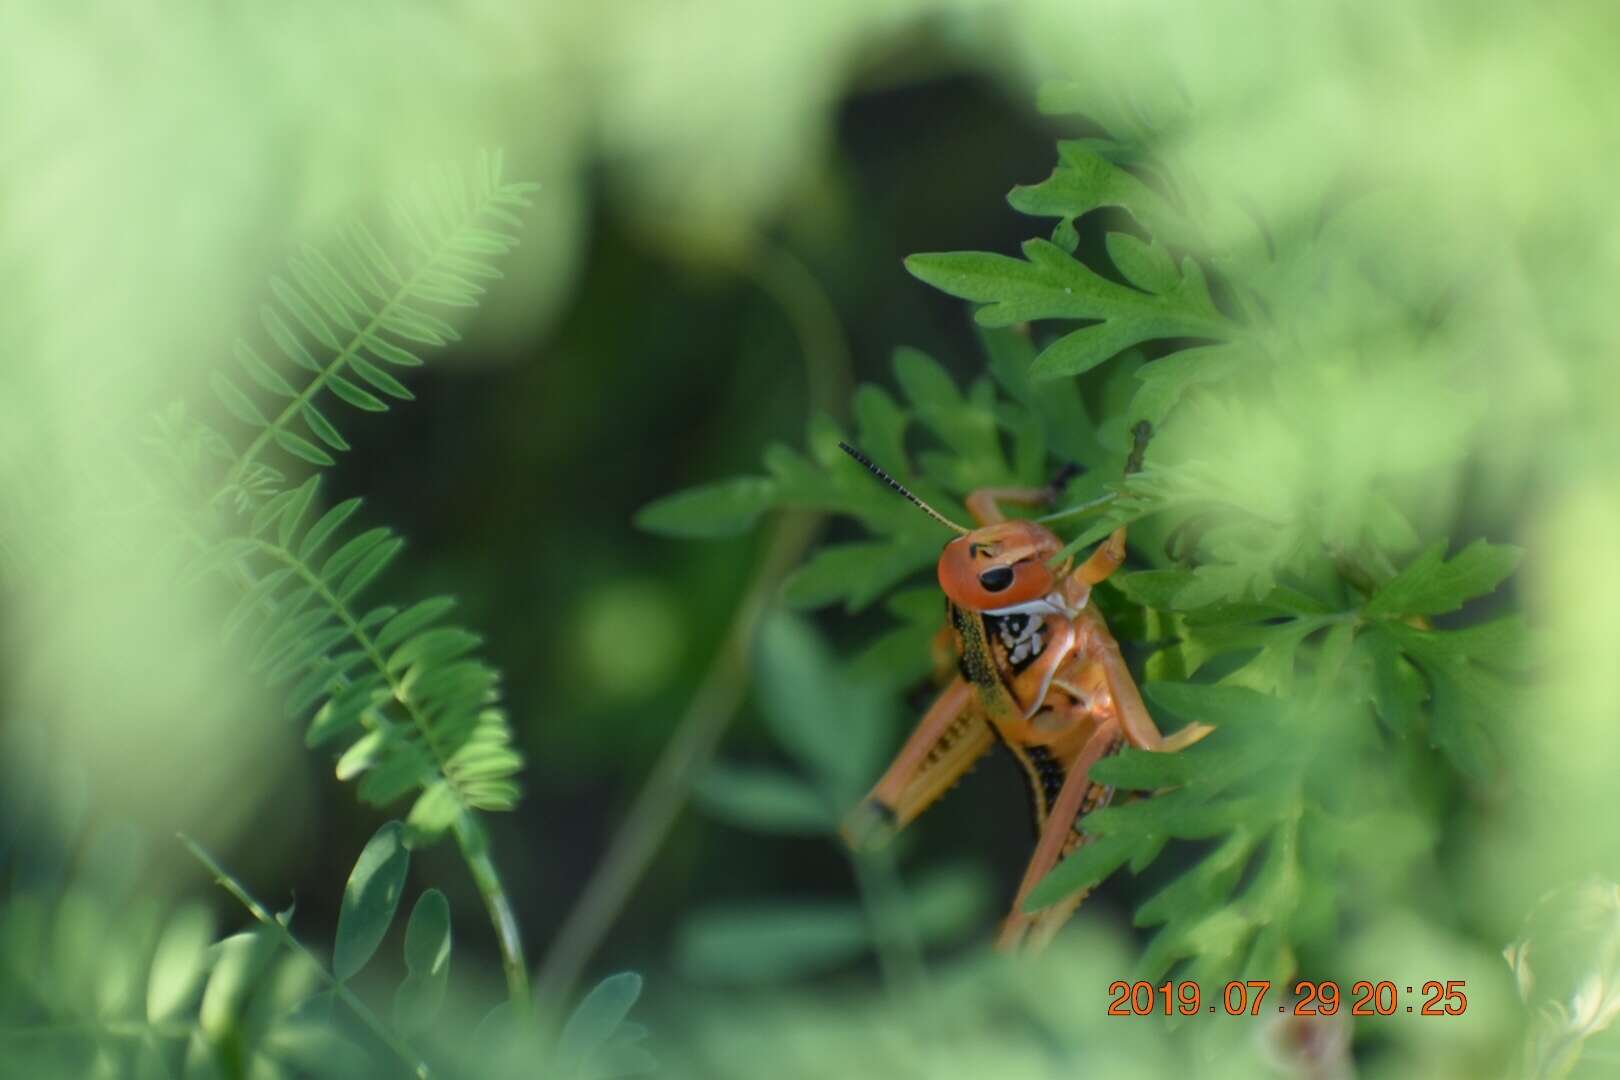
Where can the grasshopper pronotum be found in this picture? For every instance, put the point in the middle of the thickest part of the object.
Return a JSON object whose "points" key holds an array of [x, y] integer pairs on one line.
{"points": [[1038, 670]]}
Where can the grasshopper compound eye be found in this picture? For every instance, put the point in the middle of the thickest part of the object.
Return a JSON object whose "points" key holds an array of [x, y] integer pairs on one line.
{"points": [[997, 579]]}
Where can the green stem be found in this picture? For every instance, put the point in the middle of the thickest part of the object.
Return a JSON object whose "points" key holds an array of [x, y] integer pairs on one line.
{"points": [[653, 813], [474, 843], [815, 323], [470, 836], [390, 1038]]}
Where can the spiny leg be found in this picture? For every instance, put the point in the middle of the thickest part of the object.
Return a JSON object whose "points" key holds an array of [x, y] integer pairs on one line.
{"points": [[1057, 833], [951, 736]]}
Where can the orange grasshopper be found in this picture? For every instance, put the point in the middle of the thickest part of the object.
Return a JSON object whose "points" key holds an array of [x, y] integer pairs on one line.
{"points": [[1038, 671]]}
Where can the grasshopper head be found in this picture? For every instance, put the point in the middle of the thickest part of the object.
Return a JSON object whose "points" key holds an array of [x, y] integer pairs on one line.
{"points": [[999, 566]]}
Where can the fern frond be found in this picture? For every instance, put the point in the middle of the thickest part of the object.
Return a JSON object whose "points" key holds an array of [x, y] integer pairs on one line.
{"points": [[399, 690], [347, 316]]}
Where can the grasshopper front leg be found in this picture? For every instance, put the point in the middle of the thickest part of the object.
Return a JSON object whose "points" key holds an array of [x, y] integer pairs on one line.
{"points": [[1097, 644]]}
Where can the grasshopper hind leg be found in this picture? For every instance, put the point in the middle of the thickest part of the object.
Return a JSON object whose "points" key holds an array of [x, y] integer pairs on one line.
{"points": [[951, 736]]}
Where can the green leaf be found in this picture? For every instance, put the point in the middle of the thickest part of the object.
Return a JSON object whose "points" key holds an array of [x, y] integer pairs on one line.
{"points": [[301, 447], [379, 378], [387, 351], [287, 524], [1432, 585], [261, 372], [434, 811], [764, 799], [178, 963], [949, 903], [595, 1019], [723, 508], [329, 523], [235, 401], [1216, 705], [354, 395], [322, 427], [832, 727], [417, 616], [368, 567], [1144, 263], [857, 573], [1087, 178], [370, 900], [1051, 284], [286, 340], [427, 962], [1090, 863], [760, 944]]}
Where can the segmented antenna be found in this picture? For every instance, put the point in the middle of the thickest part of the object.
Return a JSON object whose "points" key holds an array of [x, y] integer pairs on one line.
{"points": [[878, 472]]}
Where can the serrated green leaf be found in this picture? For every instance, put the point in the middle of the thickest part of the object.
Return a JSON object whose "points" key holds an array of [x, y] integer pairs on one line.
{"points": [[1143, 263], [370, 900], [1086, 179], [1051, 284], [1219, 706], [1432, 585]]}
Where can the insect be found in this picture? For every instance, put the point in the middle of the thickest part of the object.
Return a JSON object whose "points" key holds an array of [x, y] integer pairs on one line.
{"points": [[1038, 670]]}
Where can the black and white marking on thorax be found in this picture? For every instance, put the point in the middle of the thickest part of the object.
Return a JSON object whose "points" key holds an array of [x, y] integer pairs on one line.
{"points": [[1022, 634]]}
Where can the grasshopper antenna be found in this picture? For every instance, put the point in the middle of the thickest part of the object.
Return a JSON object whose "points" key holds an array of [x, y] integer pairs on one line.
{"points": [[878, 472]]}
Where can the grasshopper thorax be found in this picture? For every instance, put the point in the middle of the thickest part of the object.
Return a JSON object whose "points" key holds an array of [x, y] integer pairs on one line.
{"points": [[999, 566]]}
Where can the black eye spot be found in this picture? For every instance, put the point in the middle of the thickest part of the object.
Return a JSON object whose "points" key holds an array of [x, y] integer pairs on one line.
{"points": [[996, 578]]}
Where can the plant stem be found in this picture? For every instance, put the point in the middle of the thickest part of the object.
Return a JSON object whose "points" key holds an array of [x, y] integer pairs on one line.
{"points": [[391, 1038], [654, 811], [780, 275], [474, 844]]}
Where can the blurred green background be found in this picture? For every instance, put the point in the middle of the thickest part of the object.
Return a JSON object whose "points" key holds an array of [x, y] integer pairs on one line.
{"points": [[727, 191]]}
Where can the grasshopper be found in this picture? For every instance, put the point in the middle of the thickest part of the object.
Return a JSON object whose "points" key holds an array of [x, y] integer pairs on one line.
{"points": [[1038, 671]]}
